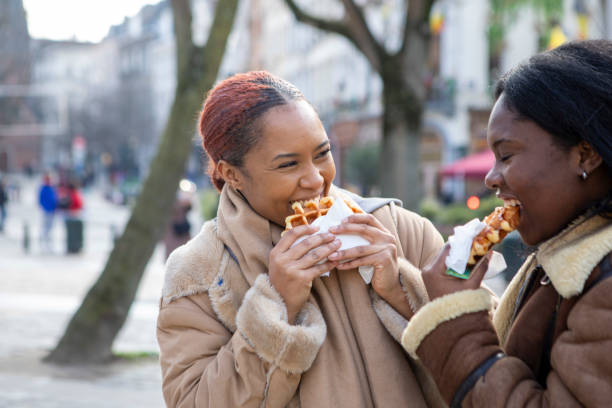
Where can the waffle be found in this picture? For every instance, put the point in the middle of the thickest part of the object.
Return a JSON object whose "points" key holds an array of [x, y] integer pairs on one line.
{"points": [[500, 222], [306, 212]]}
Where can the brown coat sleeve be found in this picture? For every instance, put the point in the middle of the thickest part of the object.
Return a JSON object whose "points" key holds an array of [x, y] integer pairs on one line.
{"points": [[205, 365], [581, 361]]}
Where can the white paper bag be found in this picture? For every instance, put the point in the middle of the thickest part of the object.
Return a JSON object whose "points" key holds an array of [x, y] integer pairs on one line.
{"points": [[460, 247], [337, 212]]}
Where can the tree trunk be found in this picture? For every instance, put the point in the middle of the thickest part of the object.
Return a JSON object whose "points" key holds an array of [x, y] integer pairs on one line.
{"points": [[403, 91], [93, 328], [403, 95]]}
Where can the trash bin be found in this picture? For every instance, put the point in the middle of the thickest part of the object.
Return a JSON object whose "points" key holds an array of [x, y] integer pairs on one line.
{"points": [[74, 235]]}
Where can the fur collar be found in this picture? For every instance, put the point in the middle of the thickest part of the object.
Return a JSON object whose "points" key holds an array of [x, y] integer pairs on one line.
{"points": [[185, 271], [570, 257]]}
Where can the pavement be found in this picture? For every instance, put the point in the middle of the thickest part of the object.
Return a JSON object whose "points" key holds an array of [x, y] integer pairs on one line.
{"points": [[39, 292]]}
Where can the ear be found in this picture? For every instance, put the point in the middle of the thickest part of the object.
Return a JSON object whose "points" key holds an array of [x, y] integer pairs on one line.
{"points": [[230, 173], [590, 160]]}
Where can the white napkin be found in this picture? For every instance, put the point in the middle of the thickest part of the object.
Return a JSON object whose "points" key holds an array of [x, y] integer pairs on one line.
{"points": [[339, 211], [461, 244]]}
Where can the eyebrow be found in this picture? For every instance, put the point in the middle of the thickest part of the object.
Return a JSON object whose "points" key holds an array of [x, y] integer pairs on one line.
{"points": [[498, 142], [287, 155]]}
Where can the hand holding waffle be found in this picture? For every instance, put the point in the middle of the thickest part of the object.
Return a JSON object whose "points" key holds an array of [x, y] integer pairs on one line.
{"points": [[470, 242], [292, 268], [499, 223], [381, 252]]}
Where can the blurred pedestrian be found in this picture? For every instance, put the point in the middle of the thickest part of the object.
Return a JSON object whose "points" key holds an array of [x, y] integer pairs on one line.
{"points": [[72, 220], [75, 201], [179, 228], [47, 199], [3, 201]]}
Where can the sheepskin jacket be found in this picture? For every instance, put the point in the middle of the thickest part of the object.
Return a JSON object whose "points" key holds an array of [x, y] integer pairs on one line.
{"points": [[224, 336], [550, 341]]}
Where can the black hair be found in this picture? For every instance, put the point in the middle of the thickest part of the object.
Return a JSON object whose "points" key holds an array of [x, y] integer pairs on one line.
{"points": [[567, 91]]}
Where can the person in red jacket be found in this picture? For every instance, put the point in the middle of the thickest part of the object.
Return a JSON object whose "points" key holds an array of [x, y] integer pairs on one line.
{"points": [[74, 223], [75, 204]]}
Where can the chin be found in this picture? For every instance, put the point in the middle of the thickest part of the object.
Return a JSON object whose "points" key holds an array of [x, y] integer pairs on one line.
{"points": [[528, 239]]}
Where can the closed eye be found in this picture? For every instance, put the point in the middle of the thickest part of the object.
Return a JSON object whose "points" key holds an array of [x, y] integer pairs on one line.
{"points": [[287, 164], [323, 153]]}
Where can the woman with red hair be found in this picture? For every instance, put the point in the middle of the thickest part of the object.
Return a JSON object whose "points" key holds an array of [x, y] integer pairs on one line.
{"points": [[246, 317]]}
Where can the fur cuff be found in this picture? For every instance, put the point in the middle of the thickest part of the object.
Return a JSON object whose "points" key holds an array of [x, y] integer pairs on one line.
{"points": [[442, 309], [262, 320]]}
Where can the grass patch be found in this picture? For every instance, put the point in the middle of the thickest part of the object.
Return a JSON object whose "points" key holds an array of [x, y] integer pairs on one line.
{"points": [[136, 355]]}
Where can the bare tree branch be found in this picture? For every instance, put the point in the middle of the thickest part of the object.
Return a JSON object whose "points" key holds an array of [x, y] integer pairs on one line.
{"points": [[212, 54], [417, 15], [343, 27], [361, 31]]}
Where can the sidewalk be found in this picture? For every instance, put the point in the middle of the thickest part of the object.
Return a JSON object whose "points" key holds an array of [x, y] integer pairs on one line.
{"points": [[39, 292]]}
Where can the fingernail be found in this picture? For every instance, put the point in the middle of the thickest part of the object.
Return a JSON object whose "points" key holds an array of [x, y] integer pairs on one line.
{"points": [[333, 255], [333, 229], [337, 242]]}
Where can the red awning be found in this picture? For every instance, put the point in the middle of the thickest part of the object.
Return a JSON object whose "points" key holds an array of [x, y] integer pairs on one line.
{"points": [[476, 165]]}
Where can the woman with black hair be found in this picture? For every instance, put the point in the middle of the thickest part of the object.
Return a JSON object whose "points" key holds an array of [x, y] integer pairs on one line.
{"points": [[549, 341]]}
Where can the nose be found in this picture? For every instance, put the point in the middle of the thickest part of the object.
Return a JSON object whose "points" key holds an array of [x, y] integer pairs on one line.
{"points": [[493, 179], [312, 178]]}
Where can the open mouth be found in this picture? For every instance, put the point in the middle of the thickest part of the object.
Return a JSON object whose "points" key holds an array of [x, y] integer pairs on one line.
{"points": [[304, 201], [512, 203]]}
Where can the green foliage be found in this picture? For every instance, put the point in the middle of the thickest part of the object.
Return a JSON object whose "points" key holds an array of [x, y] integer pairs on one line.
{"points": [[458, 213], [505, 12], [362, 164], [136, 355], [209, 202]]}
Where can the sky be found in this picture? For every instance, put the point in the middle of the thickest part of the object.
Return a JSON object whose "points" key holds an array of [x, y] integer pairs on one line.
{"points": [[83, 20]]}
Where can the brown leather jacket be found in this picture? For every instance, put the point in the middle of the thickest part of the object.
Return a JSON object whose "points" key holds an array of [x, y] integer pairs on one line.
{"points": [[550, 342]]}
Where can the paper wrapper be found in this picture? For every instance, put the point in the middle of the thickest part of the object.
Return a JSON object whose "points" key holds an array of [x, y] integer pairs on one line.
{"points": [[338, 212], [460, 247]]}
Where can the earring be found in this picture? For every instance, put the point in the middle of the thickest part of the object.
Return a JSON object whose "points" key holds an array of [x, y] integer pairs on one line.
{"points": [[584, 175]]}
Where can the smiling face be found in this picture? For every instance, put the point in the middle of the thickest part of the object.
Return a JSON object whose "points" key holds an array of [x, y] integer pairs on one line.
{"points": [[292, 161], [532, 168]]}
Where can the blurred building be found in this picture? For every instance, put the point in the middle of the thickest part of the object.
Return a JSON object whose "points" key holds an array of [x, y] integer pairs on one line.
{"points": [[116, 94], [73, 78], [15, 114]]}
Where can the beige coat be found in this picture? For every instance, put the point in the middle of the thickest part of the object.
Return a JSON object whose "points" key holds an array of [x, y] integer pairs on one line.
{"points": [[225, 340], [552, 330]]}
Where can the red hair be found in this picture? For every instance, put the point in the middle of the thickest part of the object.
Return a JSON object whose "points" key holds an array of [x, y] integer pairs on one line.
{"points": [[228, 122]]}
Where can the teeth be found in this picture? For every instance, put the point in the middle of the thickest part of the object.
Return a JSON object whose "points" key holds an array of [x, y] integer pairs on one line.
{"points": [[303, 202], [511, 203]]}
